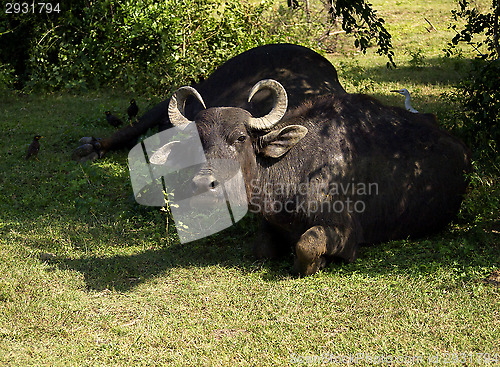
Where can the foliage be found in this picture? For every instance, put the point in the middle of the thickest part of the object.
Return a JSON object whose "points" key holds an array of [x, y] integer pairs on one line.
{"points": [[137, 45], [6, 78], [480, 97], [360, 18], [357, 18], [149, 46], [417, 58], [483, 199], [479, 93], [477, 23]]}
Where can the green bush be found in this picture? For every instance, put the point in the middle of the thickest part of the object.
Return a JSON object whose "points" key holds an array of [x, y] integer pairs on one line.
{"points": [[478, 120], [479, 93], [148, 46], [137, 45], [6, 77]]}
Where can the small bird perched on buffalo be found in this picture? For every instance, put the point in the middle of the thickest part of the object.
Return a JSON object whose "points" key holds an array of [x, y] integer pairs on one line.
{"points": [[34, 147], [132, 111], [405, 93], [112, 119]]}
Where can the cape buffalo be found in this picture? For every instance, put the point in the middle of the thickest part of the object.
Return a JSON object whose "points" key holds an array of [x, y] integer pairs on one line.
{"points": [[327, 170], [337, 171], [303, 72]]}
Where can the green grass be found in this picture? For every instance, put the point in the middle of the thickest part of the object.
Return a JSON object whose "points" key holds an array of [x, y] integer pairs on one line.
{"points": [[88, 277]]}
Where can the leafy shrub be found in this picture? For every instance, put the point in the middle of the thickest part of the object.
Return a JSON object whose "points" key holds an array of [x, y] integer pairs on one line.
{"points": [[148, 46], [417, 58], [481, 103], [479, 93], [483, 199], [144, 45], [6, 78]]}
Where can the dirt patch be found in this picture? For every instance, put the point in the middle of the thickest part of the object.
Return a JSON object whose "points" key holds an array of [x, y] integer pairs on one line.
{"points": [[493, 278]]}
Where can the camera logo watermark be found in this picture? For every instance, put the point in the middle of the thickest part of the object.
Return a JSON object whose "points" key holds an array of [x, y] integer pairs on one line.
{"points": [[172, 162]]}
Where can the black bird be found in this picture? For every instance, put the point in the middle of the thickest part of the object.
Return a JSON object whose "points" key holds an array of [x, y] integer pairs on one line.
{"points": [[132, 111], [112, 119], [34, 147]]}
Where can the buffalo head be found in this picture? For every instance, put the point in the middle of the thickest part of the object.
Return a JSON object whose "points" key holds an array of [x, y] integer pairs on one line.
{"points": [[232, 133]]}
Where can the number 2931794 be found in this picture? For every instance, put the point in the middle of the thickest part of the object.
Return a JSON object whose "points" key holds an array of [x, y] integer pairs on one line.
{"points": [[31, 8]]}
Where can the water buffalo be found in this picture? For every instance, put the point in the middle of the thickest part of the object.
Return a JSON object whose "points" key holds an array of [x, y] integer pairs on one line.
{"points": [[303, 72], [335, 172]]}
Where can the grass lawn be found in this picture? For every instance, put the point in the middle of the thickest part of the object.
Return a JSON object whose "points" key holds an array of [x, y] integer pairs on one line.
{"points": [[90, 278]]}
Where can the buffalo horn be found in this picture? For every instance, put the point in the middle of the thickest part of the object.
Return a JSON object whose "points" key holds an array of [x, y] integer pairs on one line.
{"points": [[280, 104], [176, 112]]}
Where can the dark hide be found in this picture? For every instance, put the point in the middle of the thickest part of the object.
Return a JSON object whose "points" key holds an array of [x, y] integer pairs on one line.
{"points": [[401, 174]]}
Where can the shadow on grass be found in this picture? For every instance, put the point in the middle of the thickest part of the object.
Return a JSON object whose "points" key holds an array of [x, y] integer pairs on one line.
{"points": [[231, 248], [426, 80], [436, 70], [468, 253]]}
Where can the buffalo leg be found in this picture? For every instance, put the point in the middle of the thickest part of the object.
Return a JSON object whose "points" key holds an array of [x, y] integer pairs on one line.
{"points": [[272, 242], [125, 137], [319, 244]]}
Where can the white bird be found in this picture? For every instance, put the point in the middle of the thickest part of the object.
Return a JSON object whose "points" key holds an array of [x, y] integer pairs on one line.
{"points": [[405, 93]]}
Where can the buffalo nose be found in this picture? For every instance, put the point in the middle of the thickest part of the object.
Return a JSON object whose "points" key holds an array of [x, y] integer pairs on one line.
{"points": [[203, 183]]}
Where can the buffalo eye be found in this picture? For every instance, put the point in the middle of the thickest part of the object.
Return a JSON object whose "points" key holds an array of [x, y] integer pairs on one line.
{"points": [[241, 138]]}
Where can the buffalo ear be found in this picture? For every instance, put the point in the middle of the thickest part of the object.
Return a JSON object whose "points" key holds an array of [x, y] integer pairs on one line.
{"points": [[278, 142]]}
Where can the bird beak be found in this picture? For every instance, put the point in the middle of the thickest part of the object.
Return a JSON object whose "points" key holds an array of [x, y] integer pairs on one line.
{"points": [[397, 91]]}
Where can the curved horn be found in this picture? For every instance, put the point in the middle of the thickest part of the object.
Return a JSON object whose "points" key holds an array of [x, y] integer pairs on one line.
{"points": [[177, 104], [280, 104]]}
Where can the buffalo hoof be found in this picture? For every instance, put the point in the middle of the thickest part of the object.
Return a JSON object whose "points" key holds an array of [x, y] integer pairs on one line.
{"points": [[86, 140], [310, 251], [88, 151]]}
